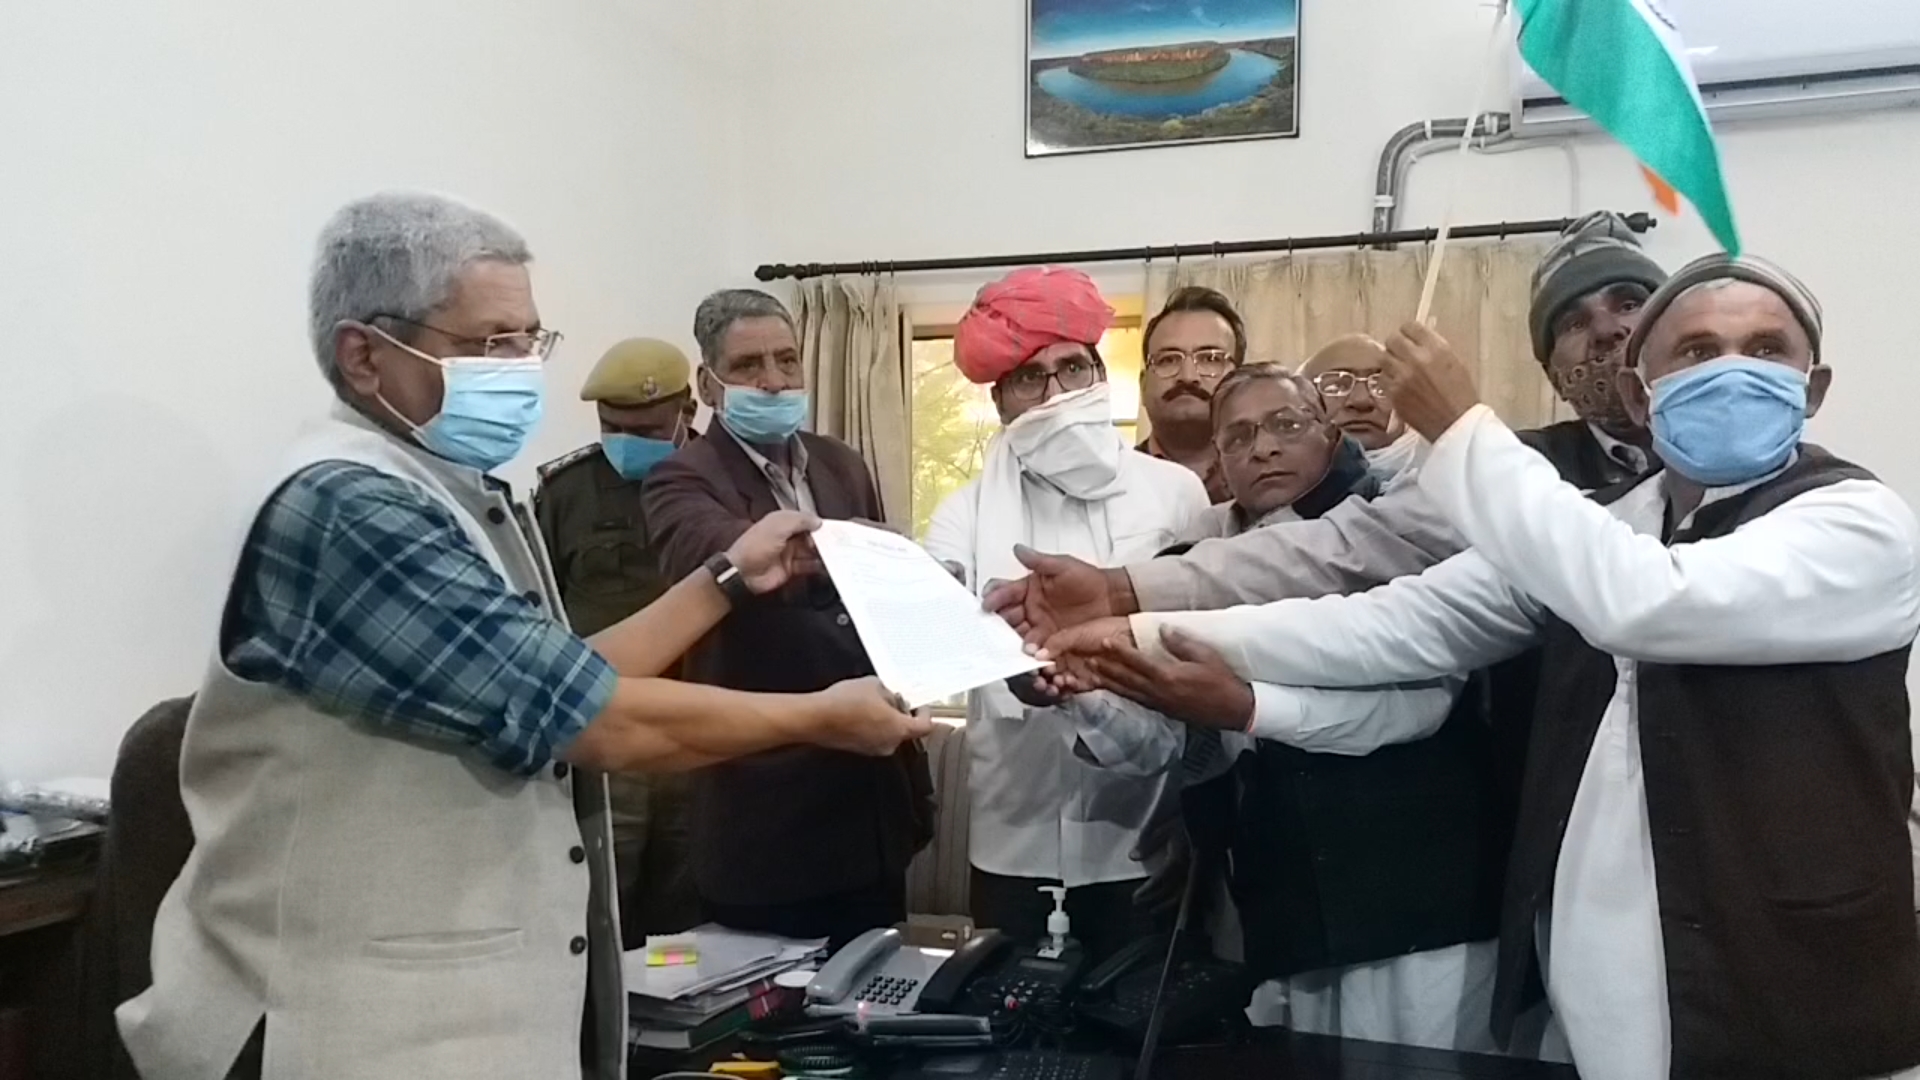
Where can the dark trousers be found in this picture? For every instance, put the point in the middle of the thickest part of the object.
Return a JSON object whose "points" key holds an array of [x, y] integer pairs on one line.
{"points": [[652, 842], [1103, 917], [839, 917]]}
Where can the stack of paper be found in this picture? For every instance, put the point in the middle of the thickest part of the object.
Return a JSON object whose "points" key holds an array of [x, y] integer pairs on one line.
{"points": [[684, 1006]]}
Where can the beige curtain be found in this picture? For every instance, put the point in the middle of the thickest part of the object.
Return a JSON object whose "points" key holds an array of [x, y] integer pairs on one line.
{"points": [[1297, 303], [854, 343]]}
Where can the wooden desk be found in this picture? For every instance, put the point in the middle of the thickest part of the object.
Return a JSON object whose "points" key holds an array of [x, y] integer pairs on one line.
{"points": [[38, 913], [47, 898]]}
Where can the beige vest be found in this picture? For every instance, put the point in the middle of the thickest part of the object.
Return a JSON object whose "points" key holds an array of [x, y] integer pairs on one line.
{"points": [[394, 909]]}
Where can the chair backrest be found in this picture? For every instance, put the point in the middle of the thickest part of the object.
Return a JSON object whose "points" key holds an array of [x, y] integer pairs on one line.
{"points": [[148, 838], [937, 878]]}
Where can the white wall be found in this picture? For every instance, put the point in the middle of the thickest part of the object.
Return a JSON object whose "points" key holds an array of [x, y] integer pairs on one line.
{"points": [[883, 130], [165, 169], [878, 130]]}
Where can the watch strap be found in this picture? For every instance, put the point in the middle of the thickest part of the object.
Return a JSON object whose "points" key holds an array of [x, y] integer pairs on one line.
{"points": [[726, 575]]}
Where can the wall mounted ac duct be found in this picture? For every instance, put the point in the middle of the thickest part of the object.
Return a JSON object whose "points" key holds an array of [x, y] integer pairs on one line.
{"points": [[1759, 59]]}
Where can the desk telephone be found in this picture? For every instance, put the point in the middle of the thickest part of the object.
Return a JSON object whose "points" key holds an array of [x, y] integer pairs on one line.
{"points": [[880, 971]]}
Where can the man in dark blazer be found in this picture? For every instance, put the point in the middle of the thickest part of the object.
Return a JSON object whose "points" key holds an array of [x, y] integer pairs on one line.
{"points": [[797, 841], [1587, 295]]}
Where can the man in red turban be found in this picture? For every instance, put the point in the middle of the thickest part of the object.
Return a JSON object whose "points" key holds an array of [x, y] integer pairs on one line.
{"points": [[1059, 473], [1045, 309]]}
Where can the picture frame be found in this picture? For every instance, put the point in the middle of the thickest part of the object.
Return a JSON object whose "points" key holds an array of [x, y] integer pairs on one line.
{"points": [[1129, 74]]}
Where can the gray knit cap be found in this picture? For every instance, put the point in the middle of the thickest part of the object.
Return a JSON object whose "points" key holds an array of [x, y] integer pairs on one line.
{"points": [[1721, 266], [1595, 252]]}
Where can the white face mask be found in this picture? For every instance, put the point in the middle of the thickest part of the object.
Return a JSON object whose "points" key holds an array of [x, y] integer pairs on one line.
{"points": [[1394, 458], [1070, 443]]}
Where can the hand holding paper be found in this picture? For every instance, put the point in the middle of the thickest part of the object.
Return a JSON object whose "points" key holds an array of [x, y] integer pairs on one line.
{"points": [[926, 634]]}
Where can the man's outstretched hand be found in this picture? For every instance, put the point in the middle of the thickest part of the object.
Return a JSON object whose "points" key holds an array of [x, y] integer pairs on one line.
{"points": [[1431, 388], [1059, 592], [776, 550]]}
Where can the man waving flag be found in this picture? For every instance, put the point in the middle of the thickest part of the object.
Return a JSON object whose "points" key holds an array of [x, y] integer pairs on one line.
{"points": [[1622, 63]]}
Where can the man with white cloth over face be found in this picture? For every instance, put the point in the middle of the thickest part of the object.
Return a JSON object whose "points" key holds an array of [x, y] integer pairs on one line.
{"points": [[1712, 862], [1059, 477]]}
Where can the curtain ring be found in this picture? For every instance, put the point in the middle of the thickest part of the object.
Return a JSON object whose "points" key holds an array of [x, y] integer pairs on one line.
{"points": [[1503, 230]]}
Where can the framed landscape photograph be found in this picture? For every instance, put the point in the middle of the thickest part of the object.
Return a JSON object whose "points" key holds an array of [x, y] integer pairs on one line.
{"points": [[1120, 74]]}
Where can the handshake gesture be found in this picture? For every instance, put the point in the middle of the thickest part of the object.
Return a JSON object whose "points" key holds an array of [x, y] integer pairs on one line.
{"points": [[1073, 615]]}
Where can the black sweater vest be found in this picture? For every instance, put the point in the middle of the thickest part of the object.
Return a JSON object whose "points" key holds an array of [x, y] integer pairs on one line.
{"points": [[1777, 798], [1340, 860]]}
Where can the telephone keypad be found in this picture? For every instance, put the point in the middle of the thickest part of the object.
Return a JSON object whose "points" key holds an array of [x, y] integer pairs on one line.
{"points": [[887, 990]]}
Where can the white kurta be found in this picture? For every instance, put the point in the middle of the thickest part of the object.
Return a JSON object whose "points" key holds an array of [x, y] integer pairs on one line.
{"points": [[1037, 810], [1828, 577]]}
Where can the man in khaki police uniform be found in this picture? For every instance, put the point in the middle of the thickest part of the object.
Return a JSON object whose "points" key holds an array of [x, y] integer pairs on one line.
{"points": [[588, 507]]}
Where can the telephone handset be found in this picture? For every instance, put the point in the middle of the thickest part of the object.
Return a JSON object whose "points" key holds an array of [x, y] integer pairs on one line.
{"points": [[1138, 953], [944, 990], [879, 971]]}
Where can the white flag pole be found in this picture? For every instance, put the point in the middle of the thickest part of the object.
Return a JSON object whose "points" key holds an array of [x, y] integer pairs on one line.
{"points": [[1494, 45]]}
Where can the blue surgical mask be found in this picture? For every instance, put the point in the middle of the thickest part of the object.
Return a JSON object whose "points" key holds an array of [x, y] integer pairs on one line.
{"points": [[488, 408], [634, 456], [1730, 420], [762, 417]]}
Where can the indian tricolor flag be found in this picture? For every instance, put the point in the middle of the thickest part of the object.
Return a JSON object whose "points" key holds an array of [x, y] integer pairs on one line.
{"points": [[1622, 63]]}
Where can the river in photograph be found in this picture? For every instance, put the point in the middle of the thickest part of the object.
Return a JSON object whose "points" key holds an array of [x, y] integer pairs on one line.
{"points": [[1245, 75]]}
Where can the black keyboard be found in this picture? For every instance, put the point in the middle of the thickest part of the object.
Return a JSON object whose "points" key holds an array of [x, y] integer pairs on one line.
{"points": [[1019, 1065]]}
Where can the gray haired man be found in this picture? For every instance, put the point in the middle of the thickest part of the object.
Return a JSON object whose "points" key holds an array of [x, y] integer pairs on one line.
{"points": [[395, 872], [802, 842]]}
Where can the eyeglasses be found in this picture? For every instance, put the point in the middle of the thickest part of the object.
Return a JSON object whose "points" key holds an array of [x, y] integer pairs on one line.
{"points": [[1027, 385], [1339, 384], [1286, 426], [529, 344], [1207, 363]]}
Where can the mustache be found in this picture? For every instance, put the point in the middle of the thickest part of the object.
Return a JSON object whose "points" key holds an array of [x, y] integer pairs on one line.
{"points": [[1188, 389]]}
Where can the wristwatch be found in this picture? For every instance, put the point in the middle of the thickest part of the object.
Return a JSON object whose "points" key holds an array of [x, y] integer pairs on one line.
{"points": [[728, 577]]}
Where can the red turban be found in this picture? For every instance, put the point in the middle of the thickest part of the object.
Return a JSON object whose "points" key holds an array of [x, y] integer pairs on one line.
{"points": [[1023, 313]]}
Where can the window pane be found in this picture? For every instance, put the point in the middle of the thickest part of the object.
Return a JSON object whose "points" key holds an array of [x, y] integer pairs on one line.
{"points": [[952, 421]]}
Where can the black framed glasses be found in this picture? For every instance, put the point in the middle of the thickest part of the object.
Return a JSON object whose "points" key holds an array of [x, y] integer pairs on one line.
{"points": [[1027, 385], [1339, 384], [1286, 426], [1207, 363], [526, 345]]}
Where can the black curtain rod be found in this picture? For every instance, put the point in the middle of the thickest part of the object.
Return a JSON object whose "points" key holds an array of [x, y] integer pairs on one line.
{"points": [[1640, 222]]}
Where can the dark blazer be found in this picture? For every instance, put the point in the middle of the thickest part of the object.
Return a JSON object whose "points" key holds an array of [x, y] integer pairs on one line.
{"points": [[799, 822]]}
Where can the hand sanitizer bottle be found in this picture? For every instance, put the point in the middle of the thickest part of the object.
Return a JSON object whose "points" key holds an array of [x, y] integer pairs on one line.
{"points": [[1057, 925]]}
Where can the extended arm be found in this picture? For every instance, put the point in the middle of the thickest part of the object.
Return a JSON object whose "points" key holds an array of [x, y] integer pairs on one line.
{"points": [[1354, 722], [1828, 576], [1457, 617], [362, 594], [1354, 546]]}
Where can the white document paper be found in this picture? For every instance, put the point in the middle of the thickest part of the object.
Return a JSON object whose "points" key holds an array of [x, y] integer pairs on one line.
{"points": [[925, 632]]}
